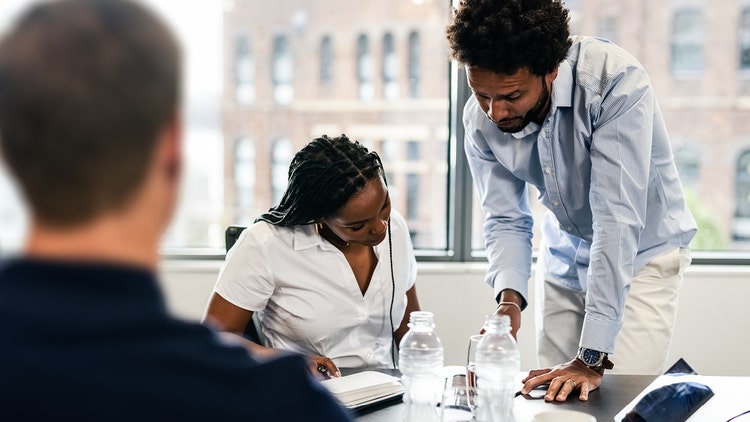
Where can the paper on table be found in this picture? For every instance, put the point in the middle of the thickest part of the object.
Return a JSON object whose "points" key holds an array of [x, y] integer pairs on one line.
{"points": [[730, 396], [364, 388]]}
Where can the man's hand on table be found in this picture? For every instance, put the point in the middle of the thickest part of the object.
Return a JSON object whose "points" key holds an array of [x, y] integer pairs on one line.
{"points": [[563, 379]]}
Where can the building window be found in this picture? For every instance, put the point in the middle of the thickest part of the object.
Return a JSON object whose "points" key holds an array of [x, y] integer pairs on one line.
{"points": [[741, 226], [412, 181], [688, 35], [326, 60], [244, 178], [390, 68], [282, 68], [744, 38], [687, 158], [414, 57], [364, 68], [244, 71], [608, 29], [281, 157]]}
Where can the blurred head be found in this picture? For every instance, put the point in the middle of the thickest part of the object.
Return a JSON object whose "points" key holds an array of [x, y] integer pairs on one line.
{"points": [[87, 90], [324, 177]]}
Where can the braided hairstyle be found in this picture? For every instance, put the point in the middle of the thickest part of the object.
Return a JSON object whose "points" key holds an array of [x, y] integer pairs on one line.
{"points": [[323, 175]]}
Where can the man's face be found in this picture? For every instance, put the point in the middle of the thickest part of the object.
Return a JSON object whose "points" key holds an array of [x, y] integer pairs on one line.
{"points": [[511, 101]]}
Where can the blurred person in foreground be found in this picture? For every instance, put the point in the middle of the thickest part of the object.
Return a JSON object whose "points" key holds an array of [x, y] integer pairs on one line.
{"points": [[577, 118], [89, 126]]}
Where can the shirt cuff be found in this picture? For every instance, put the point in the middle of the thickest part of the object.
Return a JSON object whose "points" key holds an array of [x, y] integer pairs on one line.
{"points": [[512, 280], [599, 334]]}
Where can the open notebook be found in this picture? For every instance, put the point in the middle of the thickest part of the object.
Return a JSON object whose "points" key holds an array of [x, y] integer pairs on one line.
{"points": [[364, 388]]}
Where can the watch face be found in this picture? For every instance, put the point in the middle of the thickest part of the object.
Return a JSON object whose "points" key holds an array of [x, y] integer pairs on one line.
{"points": [[591, 357]]}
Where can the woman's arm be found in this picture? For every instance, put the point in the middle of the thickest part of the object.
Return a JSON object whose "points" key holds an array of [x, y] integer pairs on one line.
{"points": [[224, 316]]}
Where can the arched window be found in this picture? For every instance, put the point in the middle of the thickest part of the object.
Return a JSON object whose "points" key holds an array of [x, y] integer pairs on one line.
{"points": [[390, 68], [244, 71], [414, 57], [326, 60], [244, 177], [364, 68], [281, 158], [282, 68], [688, 37]]}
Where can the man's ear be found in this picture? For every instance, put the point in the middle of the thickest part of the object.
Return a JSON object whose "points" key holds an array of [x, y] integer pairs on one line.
{"points": [[172, 144], [552, 75]]}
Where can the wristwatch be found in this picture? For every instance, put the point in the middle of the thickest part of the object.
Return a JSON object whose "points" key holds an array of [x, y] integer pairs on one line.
{"points": [[594, 359]]}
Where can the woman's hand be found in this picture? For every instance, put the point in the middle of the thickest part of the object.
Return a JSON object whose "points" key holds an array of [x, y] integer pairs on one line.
{"points": [[321, 366]]}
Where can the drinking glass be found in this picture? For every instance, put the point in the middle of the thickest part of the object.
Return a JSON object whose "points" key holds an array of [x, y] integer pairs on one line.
{"points": [[455, 406], [471, 361]]}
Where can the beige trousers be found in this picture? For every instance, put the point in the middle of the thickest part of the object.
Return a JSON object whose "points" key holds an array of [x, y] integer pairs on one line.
{"points": [[642, 345]]}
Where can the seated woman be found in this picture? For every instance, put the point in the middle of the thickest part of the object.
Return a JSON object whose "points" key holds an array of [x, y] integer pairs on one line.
{"points": [[330, 270]]}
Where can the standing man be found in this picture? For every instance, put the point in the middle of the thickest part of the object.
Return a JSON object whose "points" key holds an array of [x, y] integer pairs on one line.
{"points": [[90, 128], [577, 118]]}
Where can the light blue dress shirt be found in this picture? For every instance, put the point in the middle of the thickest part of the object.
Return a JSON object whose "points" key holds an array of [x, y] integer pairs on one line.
{"points": [[603, 166]]}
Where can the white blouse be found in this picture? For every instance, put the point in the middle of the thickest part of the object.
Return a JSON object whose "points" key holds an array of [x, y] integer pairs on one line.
{"points": [[307, 297]]}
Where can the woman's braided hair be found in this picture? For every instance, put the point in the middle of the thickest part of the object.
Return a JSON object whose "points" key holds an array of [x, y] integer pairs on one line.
{"points": [[323, 175]]}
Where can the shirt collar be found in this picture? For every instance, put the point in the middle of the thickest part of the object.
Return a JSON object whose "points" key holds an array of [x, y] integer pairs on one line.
{"points": [[562, 86], [562, 94], [305, 236]]}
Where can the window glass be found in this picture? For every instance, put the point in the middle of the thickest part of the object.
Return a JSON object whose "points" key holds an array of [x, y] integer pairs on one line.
{"points": [[326, 60], [687, 41], [244, 71], [744, 39], [252, 79]]}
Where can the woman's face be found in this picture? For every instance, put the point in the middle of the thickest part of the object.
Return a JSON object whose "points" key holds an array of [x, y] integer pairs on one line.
{"points": [[364, 218]]}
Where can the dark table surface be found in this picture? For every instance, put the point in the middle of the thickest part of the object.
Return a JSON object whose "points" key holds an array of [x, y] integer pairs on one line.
{"points": [[604, 403]]}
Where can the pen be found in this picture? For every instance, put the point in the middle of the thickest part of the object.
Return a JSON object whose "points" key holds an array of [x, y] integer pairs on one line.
{"points": [[323, 370]]}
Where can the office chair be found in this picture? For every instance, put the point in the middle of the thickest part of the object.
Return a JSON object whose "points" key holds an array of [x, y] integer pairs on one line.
{"points": [[252, 331]]}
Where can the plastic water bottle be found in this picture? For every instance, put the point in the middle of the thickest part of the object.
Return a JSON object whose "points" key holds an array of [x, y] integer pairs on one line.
{"points": [[420, 361], [498, 362]]}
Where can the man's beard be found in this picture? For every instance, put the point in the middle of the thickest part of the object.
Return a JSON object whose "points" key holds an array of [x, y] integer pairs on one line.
{"points": [[531, 114]]}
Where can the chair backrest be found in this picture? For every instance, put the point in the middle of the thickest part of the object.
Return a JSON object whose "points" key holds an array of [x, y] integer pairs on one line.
{"points": [[252, 331], [231, 234]]}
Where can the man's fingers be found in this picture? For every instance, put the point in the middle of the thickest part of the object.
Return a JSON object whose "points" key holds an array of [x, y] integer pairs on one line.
{"points": [[584, 392]]}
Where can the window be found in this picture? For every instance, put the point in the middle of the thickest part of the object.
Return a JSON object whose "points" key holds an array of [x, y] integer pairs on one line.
{"points": [[244, 71], [608, 29], [251, 101], [364, 68], [744, 38], [244, 180], [412, 182], [390, 68], [414, 56], [687, 158], [282, 68], [326, 61], [688, 35], [280, 159], [741, 226]]}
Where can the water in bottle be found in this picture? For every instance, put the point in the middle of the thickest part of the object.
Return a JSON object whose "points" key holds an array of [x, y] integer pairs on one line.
{"points": [[498, 362], [420, 361]]}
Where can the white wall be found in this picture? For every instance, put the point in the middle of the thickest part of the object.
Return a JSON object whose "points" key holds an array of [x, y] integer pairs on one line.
{"points": [[712, 331]]}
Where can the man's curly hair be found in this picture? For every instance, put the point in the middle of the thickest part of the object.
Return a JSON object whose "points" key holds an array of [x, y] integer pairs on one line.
{"points": [[504, 36]]}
